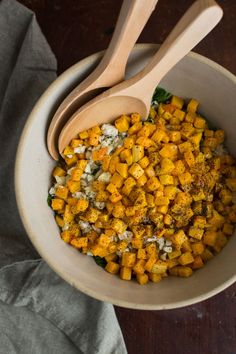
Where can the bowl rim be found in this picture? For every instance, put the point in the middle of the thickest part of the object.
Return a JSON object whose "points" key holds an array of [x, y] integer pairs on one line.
{"points": [[30, 232]]}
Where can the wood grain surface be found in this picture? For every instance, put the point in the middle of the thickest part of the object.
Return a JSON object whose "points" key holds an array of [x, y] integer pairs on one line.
{"points": [[78, 28]]}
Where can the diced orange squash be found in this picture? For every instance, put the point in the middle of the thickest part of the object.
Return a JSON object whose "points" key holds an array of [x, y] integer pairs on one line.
{"points": [[112, 267]]}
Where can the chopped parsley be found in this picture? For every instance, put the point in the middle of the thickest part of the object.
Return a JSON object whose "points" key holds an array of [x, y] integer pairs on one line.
{"points": [[100, 261], [160, 96], [49, 200]]}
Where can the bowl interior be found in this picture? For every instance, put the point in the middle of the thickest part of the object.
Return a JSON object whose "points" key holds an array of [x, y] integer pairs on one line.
{"points": [[194, 76]]}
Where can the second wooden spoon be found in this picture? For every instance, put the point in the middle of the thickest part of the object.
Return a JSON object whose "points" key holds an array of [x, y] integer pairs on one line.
{"points": [[134, 95]]}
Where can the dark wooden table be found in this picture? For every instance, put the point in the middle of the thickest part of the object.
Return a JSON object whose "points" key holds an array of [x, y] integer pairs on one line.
{"points": [[78, 28]]}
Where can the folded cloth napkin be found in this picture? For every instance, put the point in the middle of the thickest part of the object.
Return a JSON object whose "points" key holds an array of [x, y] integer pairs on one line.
{"points": [[39, 312]]}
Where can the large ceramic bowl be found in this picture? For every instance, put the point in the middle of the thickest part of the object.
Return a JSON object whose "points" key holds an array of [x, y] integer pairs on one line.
{"points": [[195, 76]]}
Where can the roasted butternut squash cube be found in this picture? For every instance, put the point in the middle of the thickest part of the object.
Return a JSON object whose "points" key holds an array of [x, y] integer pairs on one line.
{"points": [[177, 102], [62, 192], [118, 225], [184, 271], [178, 113], [79, 242], [76, 174], [136, 170], [199, 123], [196, 232], [84, 135], [142, 279], [174, 254], [118, 210], [185, 178], [138, 268], [192, 106], [74, 186], [112, 267], [197, 263], [169, 151], [135, 118], [178, 238], [58, 171], [66, 236], [184, 147], [115, 197], [117, 180], [71, 160], [144, 162], [159, 267], [137, 153], [150, 171], [122, 123], [166, 180], [209, 238], [155, 278], [128, 259], [150, 200], [122, 169], [91, 215], [152, 184], [150, 263], [57, 204], [197, 248], [167, 166], [189, 158], [137, 243], [142, 180], [105, 163], [186, 258], [135, 128], [141, 254], [125, 273]]}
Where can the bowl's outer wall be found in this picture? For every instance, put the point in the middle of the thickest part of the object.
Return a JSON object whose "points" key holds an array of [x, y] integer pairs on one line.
{"points": [[194, 77]]}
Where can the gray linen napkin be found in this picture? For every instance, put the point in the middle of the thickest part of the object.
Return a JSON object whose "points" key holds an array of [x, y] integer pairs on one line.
{"points": [[39, 312]]}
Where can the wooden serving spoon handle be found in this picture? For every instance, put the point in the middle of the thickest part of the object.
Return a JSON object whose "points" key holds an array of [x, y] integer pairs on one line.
{"points": [[195, 24], [111, 70]]}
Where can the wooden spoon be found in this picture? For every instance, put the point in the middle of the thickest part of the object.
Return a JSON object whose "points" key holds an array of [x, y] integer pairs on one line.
{"points": [[111, 70], [135, 94]]}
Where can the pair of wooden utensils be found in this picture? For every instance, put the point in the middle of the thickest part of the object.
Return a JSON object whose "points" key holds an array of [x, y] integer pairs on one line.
{"points": [[84, 107]]}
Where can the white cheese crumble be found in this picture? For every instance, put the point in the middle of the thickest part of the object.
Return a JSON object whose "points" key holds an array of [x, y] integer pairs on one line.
{"points": [[80, 149], [167, 249], [161, 242], [163, 256], [61, 181], [69, 172], [89, 254], [65, 227], [105, 177], [52, 191], [79, 195], [99, 205], [109, 130], [85, 226], [127, 235]]}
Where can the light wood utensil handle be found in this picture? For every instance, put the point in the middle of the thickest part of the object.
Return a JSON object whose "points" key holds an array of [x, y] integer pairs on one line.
{"points": [[196, 23], [132, 18]]}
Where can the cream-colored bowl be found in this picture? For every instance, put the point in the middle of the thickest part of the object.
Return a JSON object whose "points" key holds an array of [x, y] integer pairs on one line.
{"points": [[195, 76]]}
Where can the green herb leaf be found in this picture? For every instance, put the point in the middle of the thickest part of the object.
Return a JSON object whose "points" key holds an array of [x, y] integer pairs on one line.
{"points": [[160, 95], [96, 169], [100, 261], [49, 199]]}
